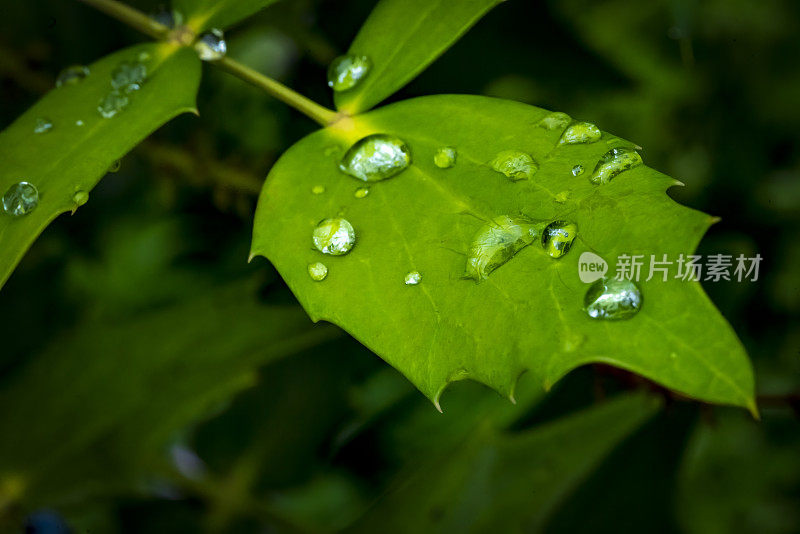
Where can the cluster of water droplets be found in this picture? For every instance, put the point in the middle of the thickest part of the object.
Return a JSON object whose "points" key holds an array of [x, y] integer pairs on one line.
{"points": [[72, 75], [126, 78]]}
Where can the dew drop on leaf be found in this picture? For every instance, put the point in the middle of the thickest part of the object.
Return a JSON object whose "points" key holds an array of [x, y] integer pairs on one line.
{"points": [[611, 299], [376, 157], [20, 199], [318, 189], [72, 75], [361, 192], [577, 170], [128, 76], [614, 162], [445, 157], [413, 278], [562, 197], [317, 271], [334, 236], [80, 197], [79, 123], [112, 103], [555, 121], [557, 238], [496, 242], [515, 164], [345, 72], [165, 17], [580, 132], [116, 166], [42, 125], [211, 46]]}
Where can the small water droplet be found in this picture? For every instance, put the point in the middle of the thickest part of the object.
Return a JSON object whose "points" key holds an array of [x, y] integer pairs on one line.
{"points": [[572, 341], [555, 121], [376, 157], [20, 199], [332, 150], [558, 236], [562, 197], [79, 122], [165, 17], [515, 164], [673, 355], [115, 167], [80, 197], [611, 299], [318, 189], [345, 72], [144, 56], [72, 75], [413, 278], [42, 125], [580, 132], [361, 192], [128, 76], [445, 157], [496, 242], [112, 103], [577, 170], [614, 162], [317, 271], [334, 236], [211, 46]]}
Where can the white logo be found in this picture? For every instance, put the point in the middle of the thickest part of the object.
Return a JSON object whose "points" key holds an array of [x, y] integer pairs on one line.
{"points": [[591, 267]]}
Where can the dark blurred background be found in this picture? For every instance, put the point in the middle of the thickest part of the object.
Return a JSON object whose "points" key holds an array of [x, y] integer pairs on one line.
{"points": [[269, 433]]}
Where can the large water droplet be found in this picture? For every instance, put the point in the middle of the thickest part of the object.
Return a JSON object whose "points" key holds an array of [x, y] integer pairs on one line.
{"points": [[345, 72], [558, 236], [614, 162], [72, 75], [20, 199], [445, 157], [577, 170], [317, 271], [211, 46], [112, 103], [515, 164], [128, 76], [334, 236], [498, 241], [376, 157], [42, 125], [361, 192], [555, 121], [580, 132], [412, 278], [612, 299]]}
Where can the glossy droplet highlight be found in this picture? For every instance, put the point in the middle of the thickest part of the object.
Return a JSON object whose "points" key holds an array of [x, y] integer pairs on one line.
{"points": [[128, 76], [577, 170], [515, 164], [72, 75], [412, 278], [211, 46], [361, 192], [580, 132], [42, 125], [611, 299], [376, 157], [496, 242], [614, 162], [317, 271], [318, 189], [555, 121], [557, 238], [345, 72], [20, 199], [111, 104], [445, 157], [334, 236]]}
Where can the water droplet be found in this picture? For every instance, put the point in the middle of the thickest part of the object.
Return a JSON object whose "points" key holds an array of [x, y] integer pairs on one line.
{"points": [[572, 341], [580, 132], [345, 72], [317, 271], [562, 197], [333, 150], [144, 56], [72, 75], [376, 157], [112, 103], [80, 197], [445, 157], [211, 46], [165, 17], [516, 165], [555, 121], [413, 278], [79, 123], [361, 192], [42, 125], [498, 241], [614, 162], [115, 167], [128, 76], [577, 170], [318, 189], [558, 236], [612, 299], [334, 236], [20, 199]]}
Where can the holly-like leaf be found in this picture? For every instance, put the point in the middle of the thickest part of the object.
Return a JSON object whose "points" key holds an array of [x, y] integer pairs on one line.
{"points": [[67, 159], [528, 315], [401, 38], [202, 15]]}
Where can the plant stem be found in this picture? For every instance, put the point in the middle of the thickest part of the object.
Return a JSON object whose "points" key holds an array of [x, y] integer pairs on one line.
{"points": [[138, 20]]}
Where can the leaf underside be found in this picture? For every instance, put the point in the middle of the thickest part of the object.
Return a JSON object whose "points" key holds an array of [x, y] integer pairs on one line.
{"points": [[528, 316]]}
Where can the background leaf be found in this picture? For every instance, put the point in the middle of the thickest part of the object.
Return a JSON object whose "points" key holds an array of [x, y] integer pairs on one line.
{"points": [[528, 315], [72, 158], [201, 15], [401, 38]]}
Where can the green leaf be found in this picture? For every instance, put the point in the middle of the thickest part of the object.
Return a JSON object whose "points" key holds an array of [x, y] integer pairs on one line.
{"points": [[201, 15], [528, 315], [401, 38], [72, 158], [99, 404], [505, 482]]}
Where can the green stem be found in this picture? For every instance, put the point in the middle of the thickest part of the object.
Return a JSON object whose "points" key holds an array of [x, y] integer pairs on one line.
{"points": [[138, 20]]}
